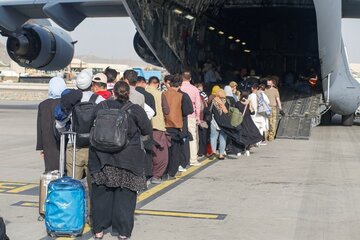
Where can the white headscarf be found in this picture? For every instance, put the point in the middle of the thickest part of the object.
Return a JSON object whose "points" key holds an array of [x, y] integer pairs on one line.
{"points": [[56, 87], [228, 91]]}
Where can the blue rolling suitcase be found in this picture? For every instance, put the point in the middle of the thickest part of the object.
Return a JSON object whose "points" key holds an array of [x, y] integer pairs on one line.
{"points": [[65, 205]]}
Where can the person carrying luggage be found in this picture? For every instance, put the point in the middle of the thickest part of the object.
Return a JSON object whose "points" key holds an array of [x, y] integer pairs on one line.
{"points": [[117, 176], [79, 120]]}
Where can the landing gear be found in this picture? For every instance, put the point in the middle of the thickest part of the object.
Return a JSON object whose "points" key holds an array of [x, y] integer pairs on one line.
{"points": [[326, 118], [347, 120]]}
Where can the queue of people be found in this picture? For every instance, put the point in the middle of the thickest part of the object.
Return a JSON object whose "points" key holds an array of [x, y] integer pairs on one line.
{"points": [[168, 131]]}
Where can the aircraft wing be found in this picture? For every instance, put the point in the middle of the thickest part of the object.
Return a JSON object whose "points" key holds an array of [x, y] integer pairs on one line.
{"points": [[351, 8], [68, 14]]}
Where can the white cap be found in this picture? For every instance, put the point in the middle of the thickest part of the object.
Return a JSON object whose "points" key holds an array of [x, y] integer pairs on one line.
{"points": [[100, 77], [83, 80]]}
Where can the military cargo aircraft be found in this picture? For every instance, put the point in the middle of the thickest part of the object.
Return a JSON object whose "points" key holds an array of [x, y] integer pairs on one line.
{"points": [[275, 35]]}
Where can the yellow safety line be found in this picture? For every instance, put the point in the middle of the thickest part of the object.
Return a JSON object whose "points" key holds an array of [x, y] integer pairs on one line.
{"points": [[160, 187], [165, 184], [23, 188], [17, 183], [30, 204], [177, 214]]}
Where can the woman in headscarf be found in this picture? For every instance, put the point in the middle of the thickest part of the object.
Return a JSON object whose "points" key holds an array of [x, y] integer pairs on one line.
{"points": [[220, 117], [46, 141], [249, 133], [229, 95]]}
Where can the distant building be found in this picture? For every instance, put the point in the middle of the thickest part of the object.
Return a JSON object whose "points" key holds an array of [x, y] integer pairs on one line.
{"points": [[77, 65]]}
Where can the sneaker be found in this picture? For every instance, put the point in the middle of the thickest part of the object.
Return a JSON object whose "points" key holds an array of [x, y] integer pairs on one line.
{"points": [[238, 154], [123, 238], [155, 180], [181, 169], [195, 164], [247, 153], [263, 143], [171, 178]]}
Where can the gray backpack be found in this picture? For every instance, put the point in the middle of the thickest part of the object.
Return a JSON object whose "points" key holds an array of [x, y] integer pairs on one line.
{"points": [[109, 132]]}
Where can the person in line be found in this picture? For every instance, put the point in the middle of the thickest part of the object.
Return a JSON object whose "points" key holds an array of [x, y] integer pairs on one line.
{"points": [[141, 88], [262, 94], [99, 85], [46, 142], [258, 119], [203, 125], [220, 116], [193, 120], [230, 98], [130, 77], [249, 134], [274, 97], [84, 83], [174, 124], [161, 139], [111, 75], [187, 108], [232, 147], [117, 177], [235, 93]]}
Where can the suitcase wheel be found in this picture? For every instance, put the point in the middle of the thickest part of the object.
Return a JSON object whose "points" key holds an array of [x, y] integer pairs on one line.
{"points": [[52, 235]]}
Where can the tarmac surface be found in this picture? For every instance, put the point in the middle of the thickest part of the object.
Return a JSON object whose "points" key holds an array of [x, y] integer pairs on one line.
{"points": [[287, 190]]}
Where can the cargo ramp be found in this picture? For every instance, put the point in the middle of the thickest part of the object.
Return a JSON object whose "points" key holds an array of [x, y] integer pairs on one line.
{"points": [[302, 111]]}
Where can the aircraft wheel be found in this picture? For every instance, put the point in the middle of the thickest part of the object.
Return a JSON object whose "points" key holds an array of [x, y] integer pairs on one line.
{"points": [[347, 120]]}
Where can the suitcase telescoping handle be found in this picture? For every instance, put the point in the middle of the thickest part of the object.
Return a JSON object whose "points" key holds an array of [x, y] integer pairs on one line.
{"points": [[63, 152]]}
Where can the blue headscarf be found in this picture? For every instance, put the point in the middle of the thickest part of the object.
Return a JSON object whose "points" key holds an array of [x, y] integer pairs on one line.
{"points": [[56, 87]]}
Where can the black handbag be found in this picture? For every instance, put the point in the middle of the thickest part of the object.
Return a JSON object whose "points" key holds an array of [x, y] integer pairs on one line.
{"points": [[208, 113]]}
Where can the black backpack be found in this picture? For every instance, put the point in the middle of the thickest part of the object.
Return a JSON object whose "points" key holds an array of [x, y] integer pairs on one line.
{"points": [[110, 130], [81, 120]]}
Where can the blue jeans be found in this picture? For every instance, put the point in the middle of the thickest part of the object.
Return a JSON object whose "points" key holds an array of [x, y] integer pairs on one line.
{"points": [[214, 135]]}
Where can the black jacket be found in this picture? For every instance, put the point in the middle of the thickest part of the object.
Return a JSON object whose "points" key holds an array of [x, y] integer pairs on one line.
{"points": [[132, 158], [46, 140], [149, 98]]}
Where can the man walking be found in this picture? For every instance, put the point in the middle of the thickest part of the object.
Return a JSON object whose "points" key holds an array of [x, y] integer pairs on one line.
{"points": [[274, 97]]}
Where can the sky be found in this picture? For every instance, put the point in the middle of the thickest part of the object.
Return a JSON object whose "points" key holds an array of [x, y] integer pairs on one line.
{"points": [[112, 38], [106, 37]]}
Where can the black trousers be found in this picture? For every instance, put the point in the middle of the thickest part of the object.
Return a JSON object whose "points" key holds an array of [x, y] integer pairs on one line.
{"points": [[203, 141], [185, 160], [113, 207], [176, 151], [176, 156]]}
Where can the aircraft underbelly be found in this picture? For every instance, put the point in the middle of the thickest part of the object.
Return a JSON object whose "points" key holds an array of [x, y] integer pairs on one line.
{"points": [[341, 90]]}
